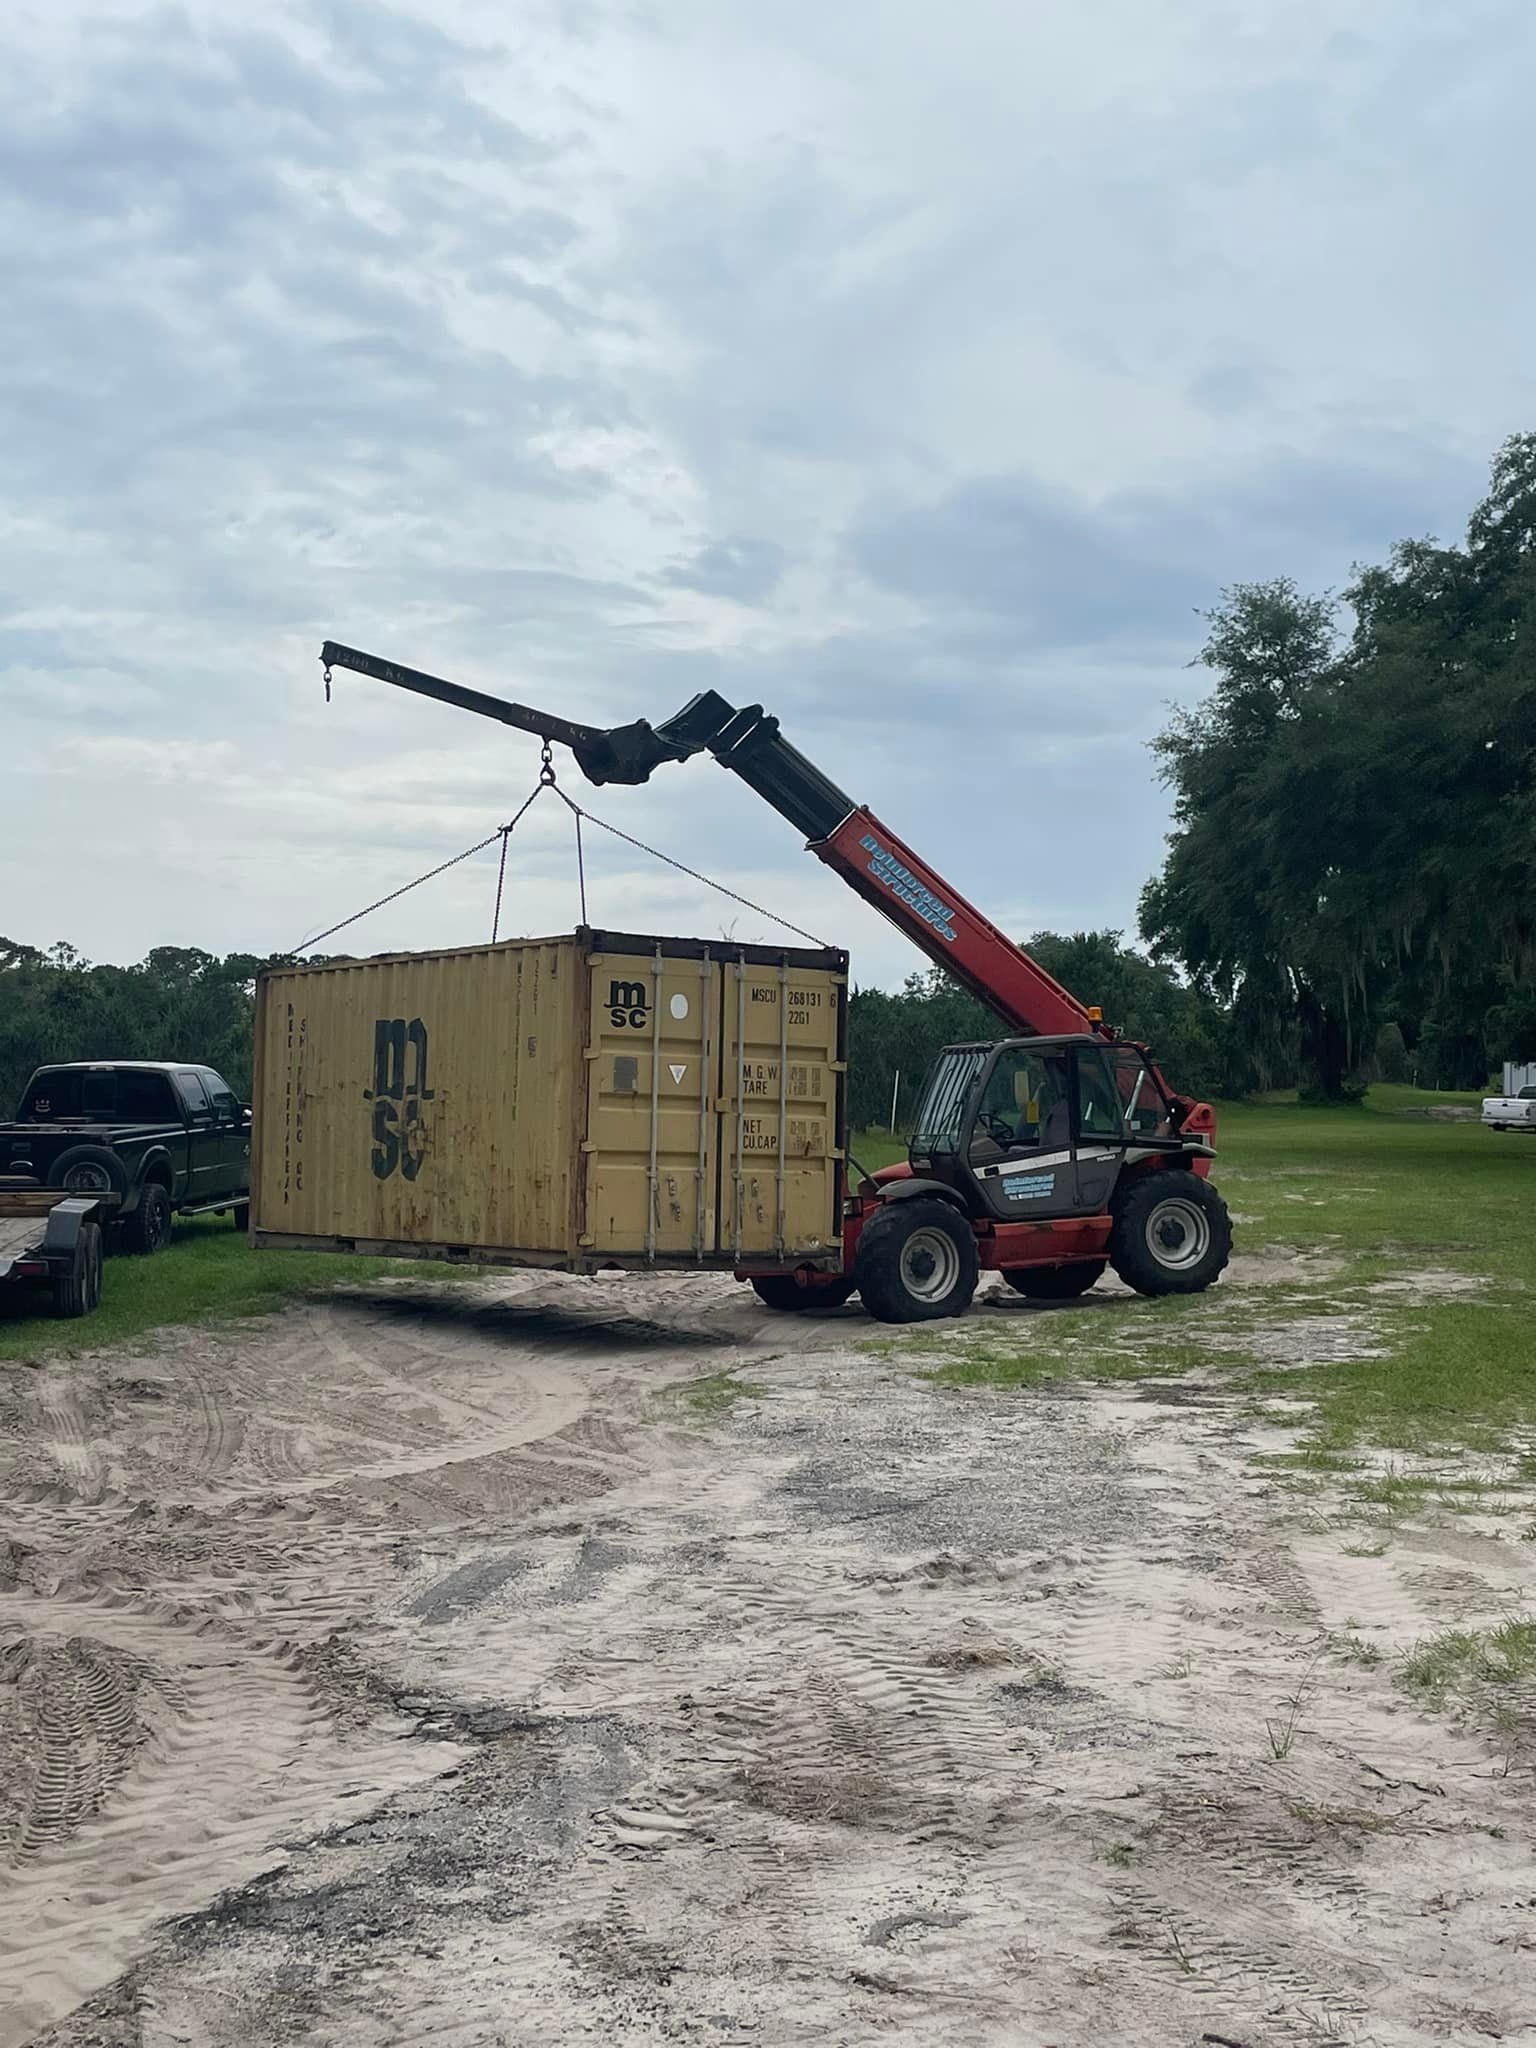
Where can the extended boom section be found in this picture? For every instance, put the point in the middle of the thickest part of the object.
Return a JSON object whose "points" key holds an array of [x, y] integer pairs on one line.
{"points": [[953, 933], [873, 861]]}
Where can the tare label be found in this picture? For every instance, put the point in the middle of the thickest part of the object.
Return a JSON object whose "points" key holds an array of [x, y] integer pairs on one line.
{"points": [[761, 1078]]}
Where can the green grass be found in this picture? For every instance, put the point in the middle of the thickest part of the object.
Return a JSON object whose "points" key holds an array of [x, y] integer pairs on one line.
{"points": [[716, 1394], [1387, 1208], [1461, 1659], [1056, 1348], [1389, 1097], [874, 1149], [1395, 1198], [209, 1274]]}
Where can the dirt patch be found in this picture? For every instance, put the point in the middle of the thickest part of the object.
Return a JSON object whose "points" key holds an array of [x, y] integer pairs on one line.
{"points": [[1282, 1266], [474, 1695], [187, 1554]]}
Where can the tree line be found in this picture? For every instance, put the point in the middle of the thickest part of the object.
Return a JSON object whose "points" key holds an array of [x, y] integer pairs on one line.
{"points": [[176, 1004], [1349, 891], [1350, 874]]}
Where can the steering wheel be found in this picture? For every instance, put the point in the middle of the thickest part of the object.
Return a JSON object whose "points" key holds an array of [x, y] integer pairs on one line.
{"points": [[999, 1132]]}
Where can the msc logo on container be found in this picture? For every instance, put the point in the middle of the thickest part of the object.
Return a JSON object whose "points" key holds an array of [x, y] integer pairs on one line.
{"points": [[398, 1094], [628, 1004]]}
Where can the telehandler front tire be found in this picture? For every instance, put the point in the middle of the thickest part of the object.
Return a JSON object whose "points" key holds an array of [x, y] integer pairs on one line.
{"points": [[916, 1262]]}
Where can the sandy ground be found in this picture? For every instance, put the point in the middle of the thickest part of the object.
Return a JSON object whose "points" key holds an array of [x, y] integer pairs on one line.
{"points": [[420, 1669]]}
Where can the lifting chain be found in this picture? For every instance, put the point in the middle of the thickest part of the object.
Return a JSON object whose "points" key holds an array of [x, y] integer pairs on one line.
{"points": [[546, 767], [325, 670]]}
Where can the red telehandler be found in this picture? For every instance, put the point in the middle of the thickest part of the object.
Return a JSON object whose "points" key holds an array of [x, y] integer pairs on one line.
{"points": [[1044, 1156]]}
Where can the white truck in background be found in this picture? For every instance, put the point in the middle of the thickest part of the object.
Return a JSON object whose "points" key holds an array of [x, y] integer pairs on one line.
{"points": [[1515, 1109]]}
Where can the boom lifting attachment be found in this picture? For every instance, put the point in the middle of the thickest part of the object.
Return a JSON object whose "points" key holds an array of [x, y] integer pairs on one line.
{"points": [[970, 949]]}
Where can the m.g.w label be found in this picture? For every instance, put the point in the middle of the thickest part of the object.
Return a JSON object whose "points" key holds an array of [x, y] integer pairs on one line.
{"points": [[399, 1095]]}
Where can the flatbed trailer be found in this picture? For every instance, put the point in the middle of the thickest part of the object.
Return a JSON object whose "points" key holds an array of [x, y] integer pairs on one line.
{"points": [[53, 1239]]}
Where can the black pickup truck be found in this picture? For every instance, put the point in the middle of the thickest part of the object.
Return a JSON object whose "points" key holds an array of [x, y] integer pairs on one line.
{"points": [[150, 1139]]}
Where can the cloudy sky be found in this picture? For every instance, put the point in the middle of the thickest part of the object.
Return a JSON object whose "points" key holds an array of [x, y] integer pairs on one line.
{"points": [[917, 371]]}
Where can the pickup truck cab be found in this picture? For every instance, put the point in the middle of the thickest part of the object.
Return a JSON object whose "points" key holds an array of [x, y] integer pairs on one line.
{"points": [[151, 1139], [1511, 1112]]}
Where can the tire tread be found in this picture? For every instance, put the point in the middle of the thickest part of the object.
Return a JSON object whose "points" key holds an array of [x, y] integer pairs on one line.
{"points": [[1128, 1252]]}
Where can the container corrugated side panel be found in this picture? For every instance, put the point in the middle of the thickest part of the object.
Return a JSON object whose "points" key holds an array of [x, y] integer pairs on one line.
{"points": [[781, 1094], [425, 1098]]}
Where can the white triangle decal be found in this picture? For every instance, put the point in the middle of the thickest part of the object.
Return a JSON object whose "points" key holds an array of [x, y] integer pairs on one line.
{"points": [[677, 1074]]}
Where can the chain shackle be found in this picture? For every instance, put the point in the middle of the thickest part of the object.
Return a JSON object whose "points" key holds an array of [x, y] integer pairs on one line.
{"points": [[546, 767]]}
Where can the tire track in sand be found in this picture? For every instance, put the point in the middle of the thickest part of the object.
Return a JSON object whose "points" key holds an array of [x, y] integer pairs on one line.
{"points": [[240, 1755], [179, 1741]]}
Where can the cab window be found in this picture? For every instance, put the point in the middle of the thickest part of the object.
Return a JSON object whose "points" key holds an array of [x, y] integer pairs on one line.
{"points": [[1102, 1109], [226, 1109], [1144, 1108], [1025, 1103], [942, 1109], [144, 1098], [193, 1096], [52, 1097]]}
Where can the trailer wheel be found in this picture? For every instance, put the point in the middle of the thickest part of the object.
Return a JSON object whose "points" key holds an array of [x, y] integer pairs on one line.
{"points": [[783, 1291], [148, 1229], [916, 1262], [78, 1292], [1055, 1283], [1171, 1234]]}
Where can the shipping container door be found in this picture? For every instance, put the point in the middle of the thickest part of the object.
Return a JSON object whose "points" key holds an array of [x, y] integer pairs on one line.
{"points": [[650, 1148], [780, 1077]]}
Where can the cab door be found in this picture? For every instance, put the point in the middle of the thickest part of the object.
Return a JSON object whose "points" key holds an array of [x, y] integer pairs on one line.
{"points": [[1022, 1151], [232, 1146], [1101, 1127], [204, 1168]]}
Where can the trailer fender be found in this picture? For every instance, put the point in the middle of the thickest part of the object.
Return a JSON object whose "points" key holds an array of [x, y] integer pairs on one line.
{"points": [[66, 1220]]}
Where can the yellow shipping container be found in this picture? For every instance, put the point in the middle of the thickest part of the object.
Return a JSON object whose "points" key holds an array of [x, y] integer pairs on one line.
{"points": [[591, 1100]]}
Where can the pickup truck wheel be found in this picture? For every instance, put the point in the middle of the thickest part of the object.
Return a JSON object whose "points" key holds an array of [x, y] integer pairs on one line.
{"points": [[916, 1262], [78, 1292], [89, 1170], [242, 1217], [1171, 1233], [1055, 1283], [148, 1229]]}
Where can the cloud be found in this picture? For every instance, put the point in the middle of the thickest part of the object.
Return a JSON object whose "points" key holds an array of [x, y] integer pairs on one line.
{"points": [[920, 388], [102, 695], [746, 570], [1135, 565]]}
